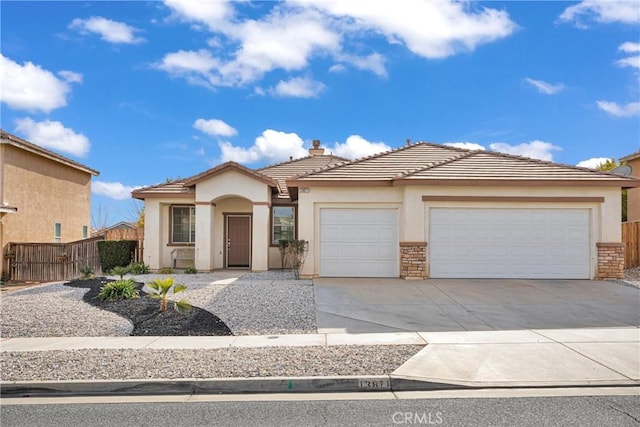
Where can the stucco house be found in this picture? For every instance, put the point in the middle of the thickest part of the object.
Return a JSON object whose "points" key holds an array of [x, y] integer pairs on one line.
{"points": [[633, 194], [422, 210], [44, 197]]}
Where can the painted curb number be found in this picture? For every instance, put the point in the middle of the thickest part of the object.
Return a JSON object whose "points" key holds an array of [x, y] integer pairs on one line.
{"points": [[374, 384]]}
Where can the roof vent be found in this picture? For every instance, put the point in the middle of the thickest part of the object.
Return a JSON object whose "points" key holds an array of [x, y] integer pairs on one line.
{"points": [[316, 150], [408, 141]]}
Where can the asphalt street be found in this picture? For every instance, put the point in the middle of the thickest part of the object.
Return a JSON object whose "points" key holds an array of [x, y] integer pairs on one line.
{"points": [[602, 410]]}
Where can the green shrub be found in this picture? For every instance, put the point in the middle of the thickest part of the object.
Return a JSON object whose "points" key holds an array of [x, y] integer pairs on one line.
{"points": [[160, 290], [120, 271], [86, 272], [115, 253], [165, 270], [119, 290], [191, 270], [138, 268]]}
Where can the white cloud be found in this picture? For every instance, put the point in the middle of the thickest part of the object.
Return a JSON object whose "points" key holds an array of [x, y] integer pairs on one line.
{"points": [[544, 87], [108, 30], [603, 11], [630, 61], [431, 29], [299, 87], [373, 62], [465, 145], [272, 146], [53, 135], [337, 68], [70, 76], [112, 190], [629, 47], [214, 14], [195, 66], [593, 163], [294, 32], [615, 109], [535, 149], [30, 87], [215, 127], [356, 146]]}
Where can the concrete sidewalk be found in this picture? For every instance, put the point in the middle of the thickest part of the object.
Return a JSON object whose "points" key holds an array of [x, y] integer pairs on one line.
{"points": [[476, 359]]}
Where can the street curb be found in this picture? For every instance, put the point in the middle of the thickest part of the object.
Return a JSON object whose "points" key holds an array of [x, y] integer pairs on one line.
{"points": [[346, 384]]}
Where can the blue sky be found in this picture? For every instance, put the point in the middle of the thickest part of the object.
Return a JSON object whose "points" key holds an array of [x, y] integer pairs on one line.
{"points": [[145, 91]]}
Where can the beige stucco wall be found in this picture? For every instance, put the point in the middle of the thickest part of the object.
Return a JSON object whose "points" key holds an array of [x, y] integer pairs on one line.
{"points": [[633, 194], [45, 192], [224, 193], [413, 212]]}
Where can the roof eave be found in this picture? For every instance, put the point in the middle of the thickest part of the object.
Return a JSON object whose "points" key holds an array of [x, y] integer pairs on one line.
{"points": [[234, 166], [33, 148], [339, 183], [621, 183]]}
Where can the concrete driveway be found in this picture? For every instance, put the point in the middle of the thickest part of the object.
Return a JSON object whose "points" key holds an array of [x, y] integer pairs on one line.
{"points": [[393, 305]]}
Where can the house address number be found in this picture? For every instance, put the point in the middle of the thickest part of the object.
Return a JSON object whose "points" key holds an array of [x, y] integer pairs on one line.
{"points": [[374, 384]]}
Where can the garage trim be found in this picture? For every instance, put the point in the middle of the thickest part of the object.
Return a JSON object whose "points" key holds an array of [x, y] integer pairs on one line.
{"points": [[530, 199]]}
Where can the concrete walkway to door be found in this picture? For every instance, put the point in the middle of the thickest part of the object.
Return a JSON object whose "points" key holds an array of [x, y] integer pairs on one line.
{"points": [[394, 305]]}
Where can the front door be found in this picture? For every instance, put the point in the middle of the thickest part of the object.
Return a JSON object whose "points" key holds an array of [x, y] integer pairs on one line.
{"points": [[239, 241]]}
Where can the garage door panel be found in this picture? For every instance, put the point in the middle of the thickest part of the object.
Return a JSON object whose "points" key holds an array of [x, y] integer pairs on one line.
{"points": [[358, 243], [509, 243]]}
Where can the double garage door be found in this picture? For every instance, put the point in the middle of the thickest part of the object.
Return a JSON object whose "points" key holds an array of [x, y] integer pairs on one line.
{"points": [[509, 243], [462, 243]]}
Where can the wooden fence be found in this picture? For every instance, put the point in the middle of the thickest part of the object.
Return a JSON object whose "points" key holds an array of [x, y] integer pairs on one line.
{"points": [[631, 240], [136, 234], [45, 262]]}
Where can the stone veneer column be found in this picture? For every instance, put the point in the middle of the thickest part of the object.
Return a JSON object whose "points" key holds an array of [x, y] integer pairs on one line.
{"points": [[610, 261], [413, 260]]}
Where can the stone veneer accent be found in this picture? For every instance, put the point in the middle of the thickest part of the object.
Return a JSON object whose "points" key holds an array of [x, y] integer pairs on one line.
{"points": [[413, 260], [610, 261]]}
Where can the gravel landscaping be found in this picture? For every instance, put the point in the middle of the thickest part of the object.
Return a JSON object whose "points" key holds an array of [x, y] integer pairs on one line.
{"points": [[93, 364], [270, 303], [632, 276]]}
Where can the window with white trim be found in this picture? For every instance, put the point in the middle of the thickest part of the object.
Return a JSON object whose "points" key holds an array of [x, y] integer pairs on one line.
{"points": [[283, 223], [57, 232], [183, 224]]}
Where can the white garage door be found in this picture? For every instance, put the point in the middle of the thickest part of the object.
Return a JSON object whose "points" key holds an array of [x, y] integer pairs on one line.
{"points": [[358, 243], [509, 243]]}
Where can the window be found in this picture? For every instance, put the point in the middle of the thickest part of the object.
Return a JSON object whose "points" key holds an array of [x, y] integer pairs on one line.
{"points": [[283, 223], [183, 221], [57, 232], [85, 231]]}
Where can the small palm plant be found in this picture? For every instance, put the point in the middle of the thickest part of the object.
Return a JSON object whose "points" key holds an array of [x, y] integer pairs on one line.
{"points": [[160, 289], [120, 271]]}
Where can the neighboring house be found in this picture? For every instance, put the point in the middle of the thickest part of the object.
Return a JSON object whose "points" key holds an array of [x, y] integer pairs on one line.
{"points": [[423, 210], [122, 225], [633, 194], [49, 195]]}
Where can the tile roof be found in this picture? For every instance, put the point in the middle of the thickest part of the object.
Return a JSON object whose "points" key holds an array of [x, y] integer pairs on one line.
{"points": [[229, 165], [174, 188], [274, 175], [7, 138], [485, 165], [631, 156], [281, 171], [423, 162], [386, 165]]}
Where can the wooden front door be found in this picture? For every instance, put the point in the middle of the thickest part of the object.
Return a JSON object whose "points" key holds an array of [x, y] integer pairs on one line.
{"points": [[238, 241]]}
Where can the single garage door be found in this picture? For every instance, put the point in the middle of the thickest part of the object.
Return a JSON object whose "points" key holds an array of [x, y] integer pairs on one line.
{"points": [[509, 243], [358, 243]]}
